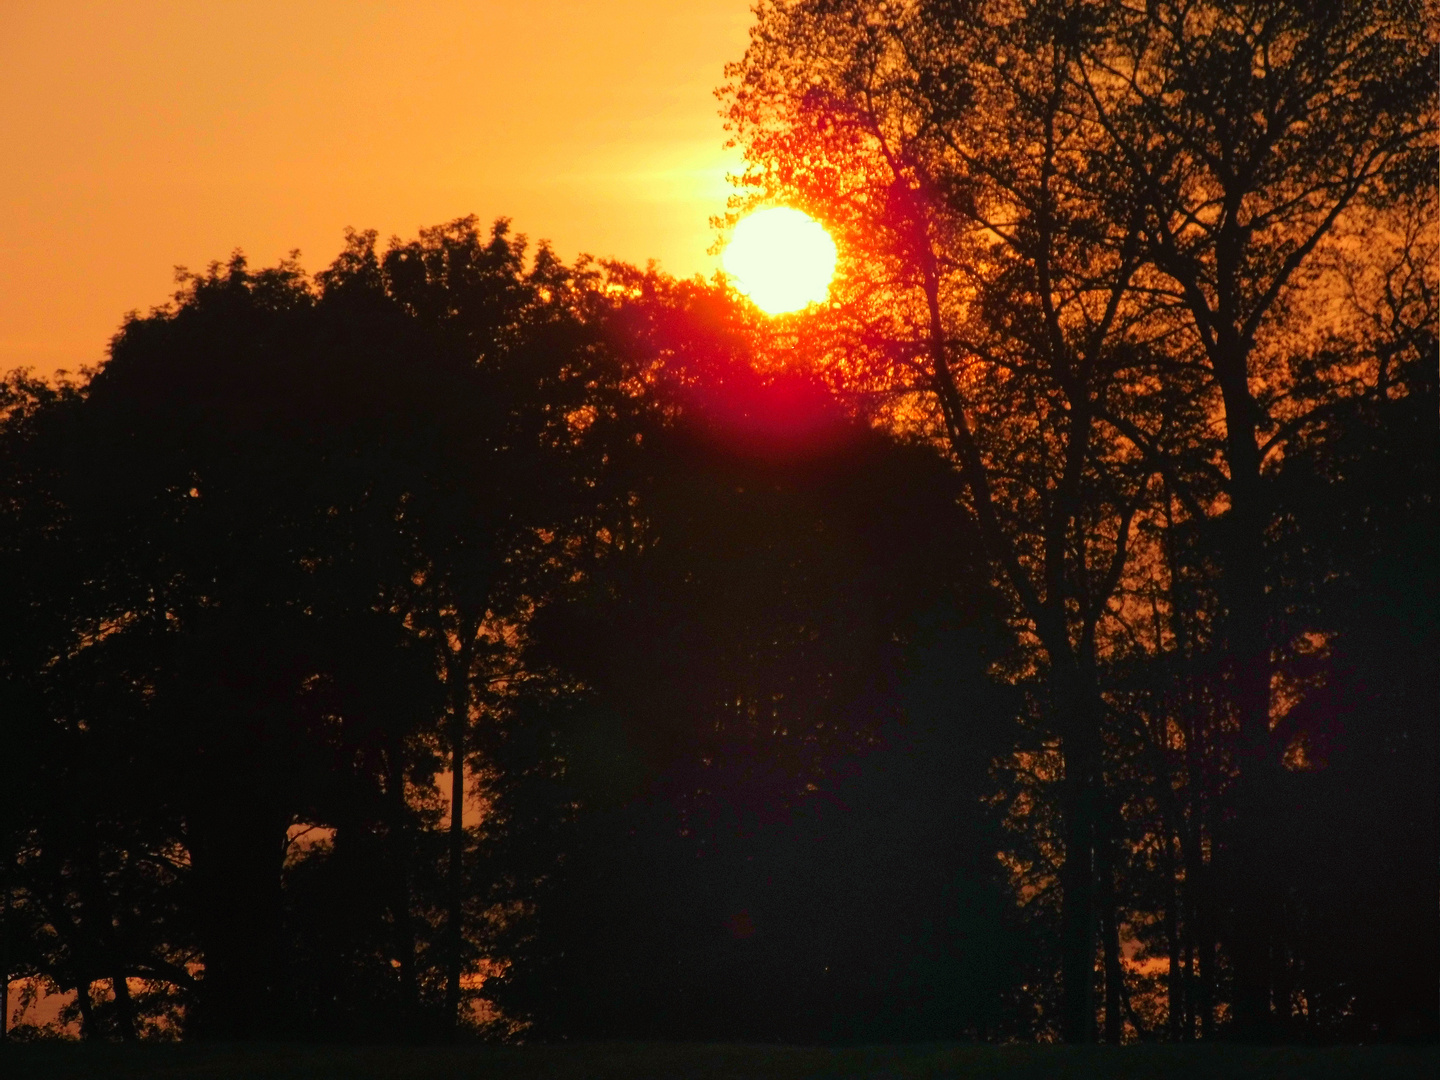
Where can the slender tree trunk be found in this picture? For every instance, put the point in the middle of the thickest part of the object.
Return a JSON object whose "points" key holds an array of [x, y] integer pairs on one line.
{"points": [[1075, 691], [454, 933], [124, 1007], [1202, 933], [401, 853], [88, 1031], [1175, 967], [1077, 920], [1110, 923], [1181, 912], [1077, 872], [1248, 879], [459, 720]]}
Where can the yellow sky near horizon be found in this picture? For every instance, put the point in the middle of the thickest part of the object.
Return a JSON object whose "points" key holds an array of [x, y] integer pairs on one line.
{"points": [[137, 136]]}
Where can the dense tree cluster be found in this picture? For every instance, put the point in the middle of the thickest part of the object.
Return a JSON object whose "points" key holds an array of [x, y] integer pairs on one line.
{"points": [[1134, 268], [1038, 641], [310, 561], [263, 570]]}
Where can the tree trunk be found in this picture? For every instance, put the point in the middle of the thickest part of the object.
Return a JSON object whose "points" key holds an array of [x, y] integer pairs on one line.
{"points": [[1074, 685], [454, 935], [454, 927], [1114, 970], [1181, 916], [1077, 872], [88, 1031], [400, 900], [1077, 920], [1176, 967], [124, 1007], [1248, 880], [1202, 935]]}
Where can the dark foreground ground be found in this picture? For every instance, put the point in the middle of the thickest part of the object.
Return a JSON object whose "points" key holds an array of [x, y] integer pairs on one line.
{"points": [[621, 1061]]}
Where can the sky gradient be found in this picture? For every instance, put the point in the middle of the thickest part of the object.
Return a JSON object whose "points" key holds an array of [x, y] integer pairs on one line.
{"points": [[137, 136]]}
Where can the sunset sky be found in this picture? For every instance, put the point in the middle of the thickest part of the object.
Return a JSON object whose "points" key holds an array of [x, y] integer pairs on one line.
{"points": [[135, 136]]}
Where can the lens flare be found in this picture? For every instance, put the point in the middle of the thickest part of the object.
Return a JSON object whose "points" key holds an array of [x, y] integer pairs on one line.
{"points": [[782, 259]]}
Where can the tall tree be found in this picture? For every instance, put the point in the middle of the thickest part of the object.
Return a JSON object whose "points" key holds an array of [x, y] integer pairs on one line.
{"points": [[511, 476], [1251, 132], [986, 296]]}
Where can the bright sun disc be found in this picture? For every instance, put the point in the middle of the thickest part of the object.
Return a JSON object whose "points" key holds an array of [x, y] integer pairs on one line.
{"points": [[782, 259]]}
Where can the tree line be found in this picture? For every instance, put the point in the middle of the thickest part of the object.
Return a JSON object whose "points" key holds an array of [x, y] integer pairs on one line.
{"points": [[309, 561], [1038, 641]]}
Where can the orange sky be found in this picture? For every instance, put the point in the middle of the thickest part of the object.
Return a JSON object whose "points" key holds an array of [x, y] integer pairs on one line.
{"points": [[135, 136]]}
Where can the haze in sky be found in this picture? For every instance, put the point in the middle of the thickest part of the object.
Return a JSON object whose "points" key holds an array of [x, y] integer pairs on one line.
{"points": [[135, 136]]}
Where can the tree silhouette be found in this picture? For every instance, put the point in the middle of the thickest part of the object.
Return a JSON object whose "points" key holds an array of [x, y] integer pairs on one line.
{"points": [[1096, 243], [1250, 132], [991, 302], [263, 510], [765, 838], [754, 643]]}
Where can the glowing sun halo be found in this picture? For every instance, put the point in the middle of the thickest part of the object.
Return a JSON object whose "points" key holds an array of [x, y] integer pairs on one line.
{"points": [[782, 259]]}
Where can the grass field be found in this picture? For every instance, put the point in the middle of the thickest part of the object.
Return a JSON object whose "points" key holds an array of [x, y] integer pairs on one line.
{"points": [[623, 1061]]}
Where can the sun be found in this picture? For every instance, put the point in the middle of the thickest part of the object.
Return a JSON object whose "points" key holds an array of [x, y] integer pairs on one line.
{"points": [[782, 259]]}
